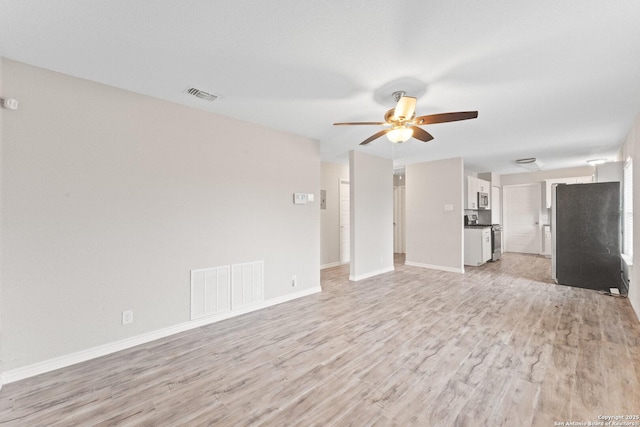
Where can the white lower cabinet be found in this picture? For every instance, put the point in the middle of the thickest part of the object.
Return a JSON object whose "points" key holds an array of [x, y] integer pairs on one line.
{"points": [[546, 243], [477, 245]]}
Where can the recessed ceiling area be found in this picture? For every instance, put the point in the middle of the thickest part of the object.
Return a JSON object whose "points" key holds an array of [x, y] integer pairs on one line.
{"points": [[557, 81]]}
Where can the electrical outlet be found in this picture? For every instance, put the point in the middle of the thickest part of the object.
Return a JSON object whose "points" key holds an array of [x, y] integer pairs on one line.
{"points": [[293, 281], [127, 317]]}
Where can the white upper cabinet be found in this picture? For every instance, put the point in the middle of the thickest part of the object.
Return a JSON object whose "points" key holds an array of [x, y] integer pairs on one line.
{"points": [[473, 186]]}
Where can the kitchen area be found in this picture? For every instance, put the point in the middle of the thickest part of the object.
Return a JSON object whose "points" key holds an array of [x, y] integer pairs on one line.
{"points": [[575, 221], [482, 228], [458, 219]]}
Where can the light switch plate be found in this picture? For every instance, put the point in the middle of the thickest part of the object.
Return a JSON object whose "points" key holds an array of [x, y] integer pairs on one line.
{"points": [[311, 197], [448, 207]]}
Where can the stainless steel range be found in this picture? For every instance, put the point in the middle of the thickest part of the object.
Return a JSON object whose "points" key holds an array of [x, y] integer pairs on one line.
{"points": [[496, 242]]}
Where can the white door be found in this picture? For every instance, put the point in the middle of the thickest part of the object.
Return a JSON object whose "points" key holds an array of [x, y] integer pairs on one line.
{"points": [[345, 218], [399, 220], [521, 218]]}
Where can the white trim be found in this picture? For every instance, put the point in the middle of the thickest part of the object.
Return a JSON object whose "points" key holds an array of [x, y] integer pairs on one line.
{"points": [[330, 265], [370, 274], [435, 267], [103, 350], [627, 208], [340, 231]]}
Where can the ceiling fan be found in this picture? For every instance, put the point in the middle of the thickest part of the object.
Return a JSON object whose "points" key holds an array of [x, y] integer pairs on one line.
{"points": [[404, 123]]}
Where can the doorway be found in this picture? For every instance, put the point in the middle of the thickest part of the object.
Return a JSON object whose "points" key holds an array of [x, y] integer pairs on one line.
{"points": [[522, 218], [345, 221], [399, 220]]}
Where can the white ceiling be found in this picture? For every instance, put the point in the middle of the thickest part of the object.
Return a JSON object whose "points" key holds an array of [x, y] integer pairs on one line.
{"points": [[556, 80]]}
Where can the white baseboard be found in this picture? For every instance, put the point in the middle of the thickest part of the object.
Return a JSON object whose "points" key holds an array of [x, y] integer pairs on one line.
{"points": [[329, 265], [370, 274], [435, 267], [103, 350]]}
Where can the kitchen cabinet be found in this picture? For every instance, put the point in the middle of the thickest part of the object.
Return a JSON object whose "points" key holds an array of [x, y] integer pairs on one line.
{"points": [[471, 193], [472, 186], [483, 186], [546, 243], [477, 245], [609, 172], [569, 180]]}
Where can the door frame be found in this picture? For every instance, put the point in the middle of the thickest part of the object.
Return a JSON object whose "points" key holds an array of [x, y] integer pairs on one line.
{"points": [[342, 256], [399, 219]]}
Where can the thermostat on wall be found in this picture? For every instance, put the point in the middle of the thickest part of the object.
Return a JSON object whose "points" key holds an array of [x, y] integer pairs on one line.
{"points": [[300, 198]]}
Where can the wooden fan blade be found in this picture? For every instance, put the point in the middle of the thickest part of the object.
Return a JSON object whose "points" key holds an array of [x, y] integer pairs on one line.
{"points": [[375, 136], [405, 108], [359, 123], [445, 117], [421, 134]]}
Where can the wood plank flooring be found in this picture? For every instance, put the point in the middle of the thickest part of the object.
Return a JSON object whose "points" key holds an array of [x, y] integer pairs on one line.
{"points": [[498, 346]]}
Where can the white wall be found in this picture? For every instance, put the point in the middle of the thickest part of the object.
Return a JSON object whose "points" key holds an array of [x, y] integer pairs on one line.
{"points": [[434, 236], [110, 198], [371, 181], [2, 95], [492, 177], [630, 149], [540, 176], [330, 175]]}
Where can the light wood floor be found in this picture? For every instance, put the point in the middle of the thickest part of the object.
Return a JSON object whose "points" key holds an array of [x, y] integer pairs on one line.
{"points": [[498, 346]]}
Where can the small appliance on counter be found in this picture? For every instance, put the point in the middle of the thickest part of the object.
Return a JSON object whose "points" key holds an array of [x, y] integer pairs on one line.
{"points": [[471, 220]]}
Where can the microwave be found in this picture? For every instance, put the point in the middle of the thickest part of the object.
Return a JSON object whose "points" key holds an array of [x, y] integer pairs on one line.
{"points": [[483, 200]]}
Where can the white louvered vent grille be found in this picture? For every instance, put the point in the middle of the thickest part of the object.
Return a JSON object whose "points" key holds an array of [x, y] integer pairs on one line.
{"points": [[218, 290], [210, 293], [201, 94]]}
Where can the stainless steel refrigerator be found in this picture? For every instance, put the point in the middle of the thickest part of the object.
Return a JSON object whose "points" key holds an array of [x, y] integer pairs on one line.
{"points": [[585, 233]]}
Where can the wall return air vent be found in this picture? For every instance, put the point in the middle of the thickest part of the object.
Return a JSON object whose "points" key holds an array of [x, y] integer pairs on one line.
{"points": [[201, 94]]}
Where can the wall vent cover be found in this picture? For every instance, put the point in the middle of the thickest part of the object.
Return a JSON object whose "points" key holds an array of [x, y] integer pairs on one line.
{"points": [[201, 94]]}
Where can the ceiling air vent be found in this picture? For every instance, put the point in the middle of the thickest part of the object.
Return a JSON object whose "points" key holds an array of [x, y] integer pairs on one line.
{"points": [[201, 94]]}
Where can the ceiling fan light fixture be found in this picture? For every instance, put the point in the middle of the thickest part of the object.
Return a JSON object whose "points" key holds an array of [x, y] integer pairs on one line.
{"points": [[405, 108], [400, 134], [403, 121]]}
